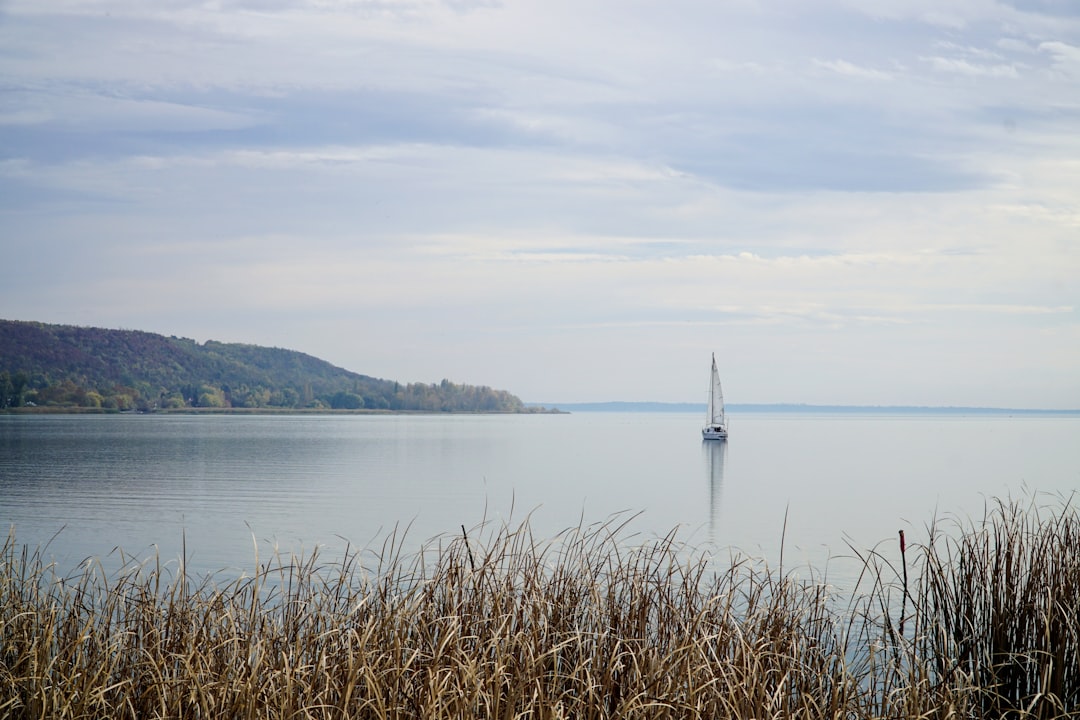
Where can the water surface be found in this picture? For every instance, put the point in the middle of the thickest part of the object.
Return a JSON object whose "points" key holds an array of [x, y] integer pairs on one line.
{"points": [[147, 483]]}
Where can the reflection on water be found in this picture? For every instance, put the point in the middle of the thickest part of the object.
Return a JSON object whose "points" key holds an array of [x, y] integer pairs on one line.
{"points": [[218, 484], [714, 453]]}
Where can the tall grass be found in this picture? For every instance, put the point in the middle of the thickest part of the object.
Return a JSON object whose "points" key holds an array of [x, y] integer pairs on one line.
{"points": [[580, 626], [1000, 611]]}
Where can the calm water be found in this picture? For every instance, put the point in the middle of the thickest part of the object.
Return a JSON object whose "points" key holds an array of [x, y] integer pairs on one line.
{"points": [[142, 482]]}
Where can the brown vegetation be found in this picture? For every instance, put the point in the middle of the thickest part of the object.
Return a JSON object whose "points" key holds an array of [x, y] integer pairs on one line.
{"points": [[582, 626]]}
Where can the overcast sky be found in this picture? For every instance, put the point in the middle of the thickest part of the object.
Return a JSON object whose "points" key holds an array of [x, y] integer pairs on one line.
{"points": [[849, 202]]}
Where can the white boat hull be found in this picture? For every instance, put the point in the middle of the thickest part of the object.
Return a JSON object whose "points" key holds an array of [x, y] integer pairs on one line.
{"points": [[714, 433]]}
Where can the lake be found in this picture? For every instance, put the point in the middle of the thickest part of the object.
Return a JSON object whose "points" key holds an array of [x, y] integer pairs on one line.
{"points": [[86, 484]]}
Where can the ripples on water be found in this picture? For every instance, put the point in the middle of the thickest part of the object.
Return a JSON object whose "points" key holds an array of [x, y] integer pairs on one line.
{"points": [[147, 481]]}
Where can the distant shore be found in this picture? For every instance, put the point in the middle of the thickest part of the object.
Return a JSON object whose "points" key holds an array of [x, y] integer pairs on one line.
{"points": [[70, 410], [568, 408], [622, 406]]}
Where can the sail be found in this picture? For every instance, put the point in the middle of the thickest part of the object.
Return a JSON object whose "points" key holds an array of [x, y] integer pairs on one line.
{"points": [[716, 397]]}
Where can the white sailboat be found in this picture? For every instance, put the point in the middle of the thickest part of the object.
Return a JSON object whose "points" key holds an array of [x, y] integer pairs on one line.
{"points": [[715, 422]]}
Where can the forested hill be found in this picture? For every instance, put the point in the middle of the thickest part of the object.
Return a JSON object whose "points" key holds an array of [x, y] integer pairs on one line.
{"points": [[68, 366]]}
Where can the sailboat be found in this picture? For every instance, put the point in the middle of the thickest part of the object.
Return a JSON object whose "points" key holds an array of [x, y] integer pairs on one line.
{"points": [[715, 422]]}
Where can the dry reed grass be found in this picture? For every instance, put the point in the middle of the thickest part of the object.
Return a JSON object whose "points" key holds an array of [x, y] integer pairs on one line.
{"points": [[581, 626]]}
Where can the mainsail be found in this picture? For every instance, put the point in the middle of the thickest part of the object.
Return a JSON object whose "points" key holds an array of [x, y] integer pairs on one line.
{"points": [[716, 397], [715, 422]]}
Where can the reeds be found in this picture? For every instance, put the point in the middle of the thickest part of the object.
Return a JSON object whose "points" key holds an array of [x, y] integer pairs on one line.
{"points": [[1000, 611], [585, 625]]}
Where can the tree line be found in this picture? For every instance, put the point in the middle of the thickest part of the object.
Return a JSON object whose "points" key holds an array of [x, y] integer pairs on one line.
{"points": [[64, 366]]}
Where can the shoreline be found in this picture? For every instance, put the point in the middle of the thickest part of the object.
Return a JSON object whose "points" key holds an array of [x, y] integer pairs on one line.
{"points": [[65, 410]]}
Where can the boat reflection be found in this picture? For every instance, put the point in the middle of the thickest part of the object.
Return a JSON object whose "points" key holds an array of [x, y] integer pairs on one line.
{"points": [[714, 453]]}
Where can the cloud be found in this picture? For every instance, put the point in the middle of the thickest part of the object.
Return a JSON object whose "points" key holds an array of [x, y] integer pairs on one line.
{"points": [[964, 67], [1066, 58], [514, 193], [843, 67], [1049, 8], [82, 110]]}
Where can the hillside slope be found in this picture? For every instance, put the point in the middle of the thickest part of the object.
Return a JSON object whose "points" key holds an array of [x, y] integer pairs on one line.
{"points": [[70, 366]]}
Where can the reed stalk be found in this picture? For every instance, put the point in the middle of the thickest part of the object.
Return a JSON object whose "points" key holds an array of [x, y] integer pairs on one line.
{"points": [[593, 623]]}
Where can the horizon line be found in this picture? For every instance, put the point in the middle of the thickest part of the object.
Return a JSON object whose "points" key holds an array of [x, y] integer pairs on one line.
{"points": [[802, 406]]}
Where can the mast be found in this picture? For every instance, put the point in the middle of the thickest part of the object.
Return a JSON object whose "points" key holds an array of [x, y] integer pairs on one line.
{"points": [[716, 396], [719, 401], [709, 419]]}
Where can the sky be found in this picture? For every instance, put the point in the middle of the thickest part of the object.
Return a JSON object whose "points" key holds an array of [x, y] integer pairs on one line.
{"points": [[849, 202]]}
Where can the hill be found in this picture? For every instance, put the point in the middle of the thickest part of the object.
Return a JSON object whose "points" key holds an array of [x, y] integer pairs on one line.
{"points": [[69, 366]]}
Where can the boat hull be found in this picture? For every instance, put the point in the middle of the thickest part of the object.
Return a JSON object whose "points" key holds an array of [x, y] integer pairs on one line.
{"points": [[714, 433]]}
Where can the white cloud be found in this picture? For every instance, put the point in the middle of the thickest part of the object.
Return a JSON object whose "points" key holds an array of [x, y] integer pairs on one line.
{"points": [[970, 51], [963, 67], [843, 67], [1066, 57], [401, 185]]}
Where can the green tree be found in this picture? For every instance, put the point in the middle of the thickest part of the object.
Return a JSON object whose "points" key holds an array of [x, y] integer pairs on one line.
{"points": [[346, 401], [210, 397], [172, 400], [284, 398], [9, 395]]}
